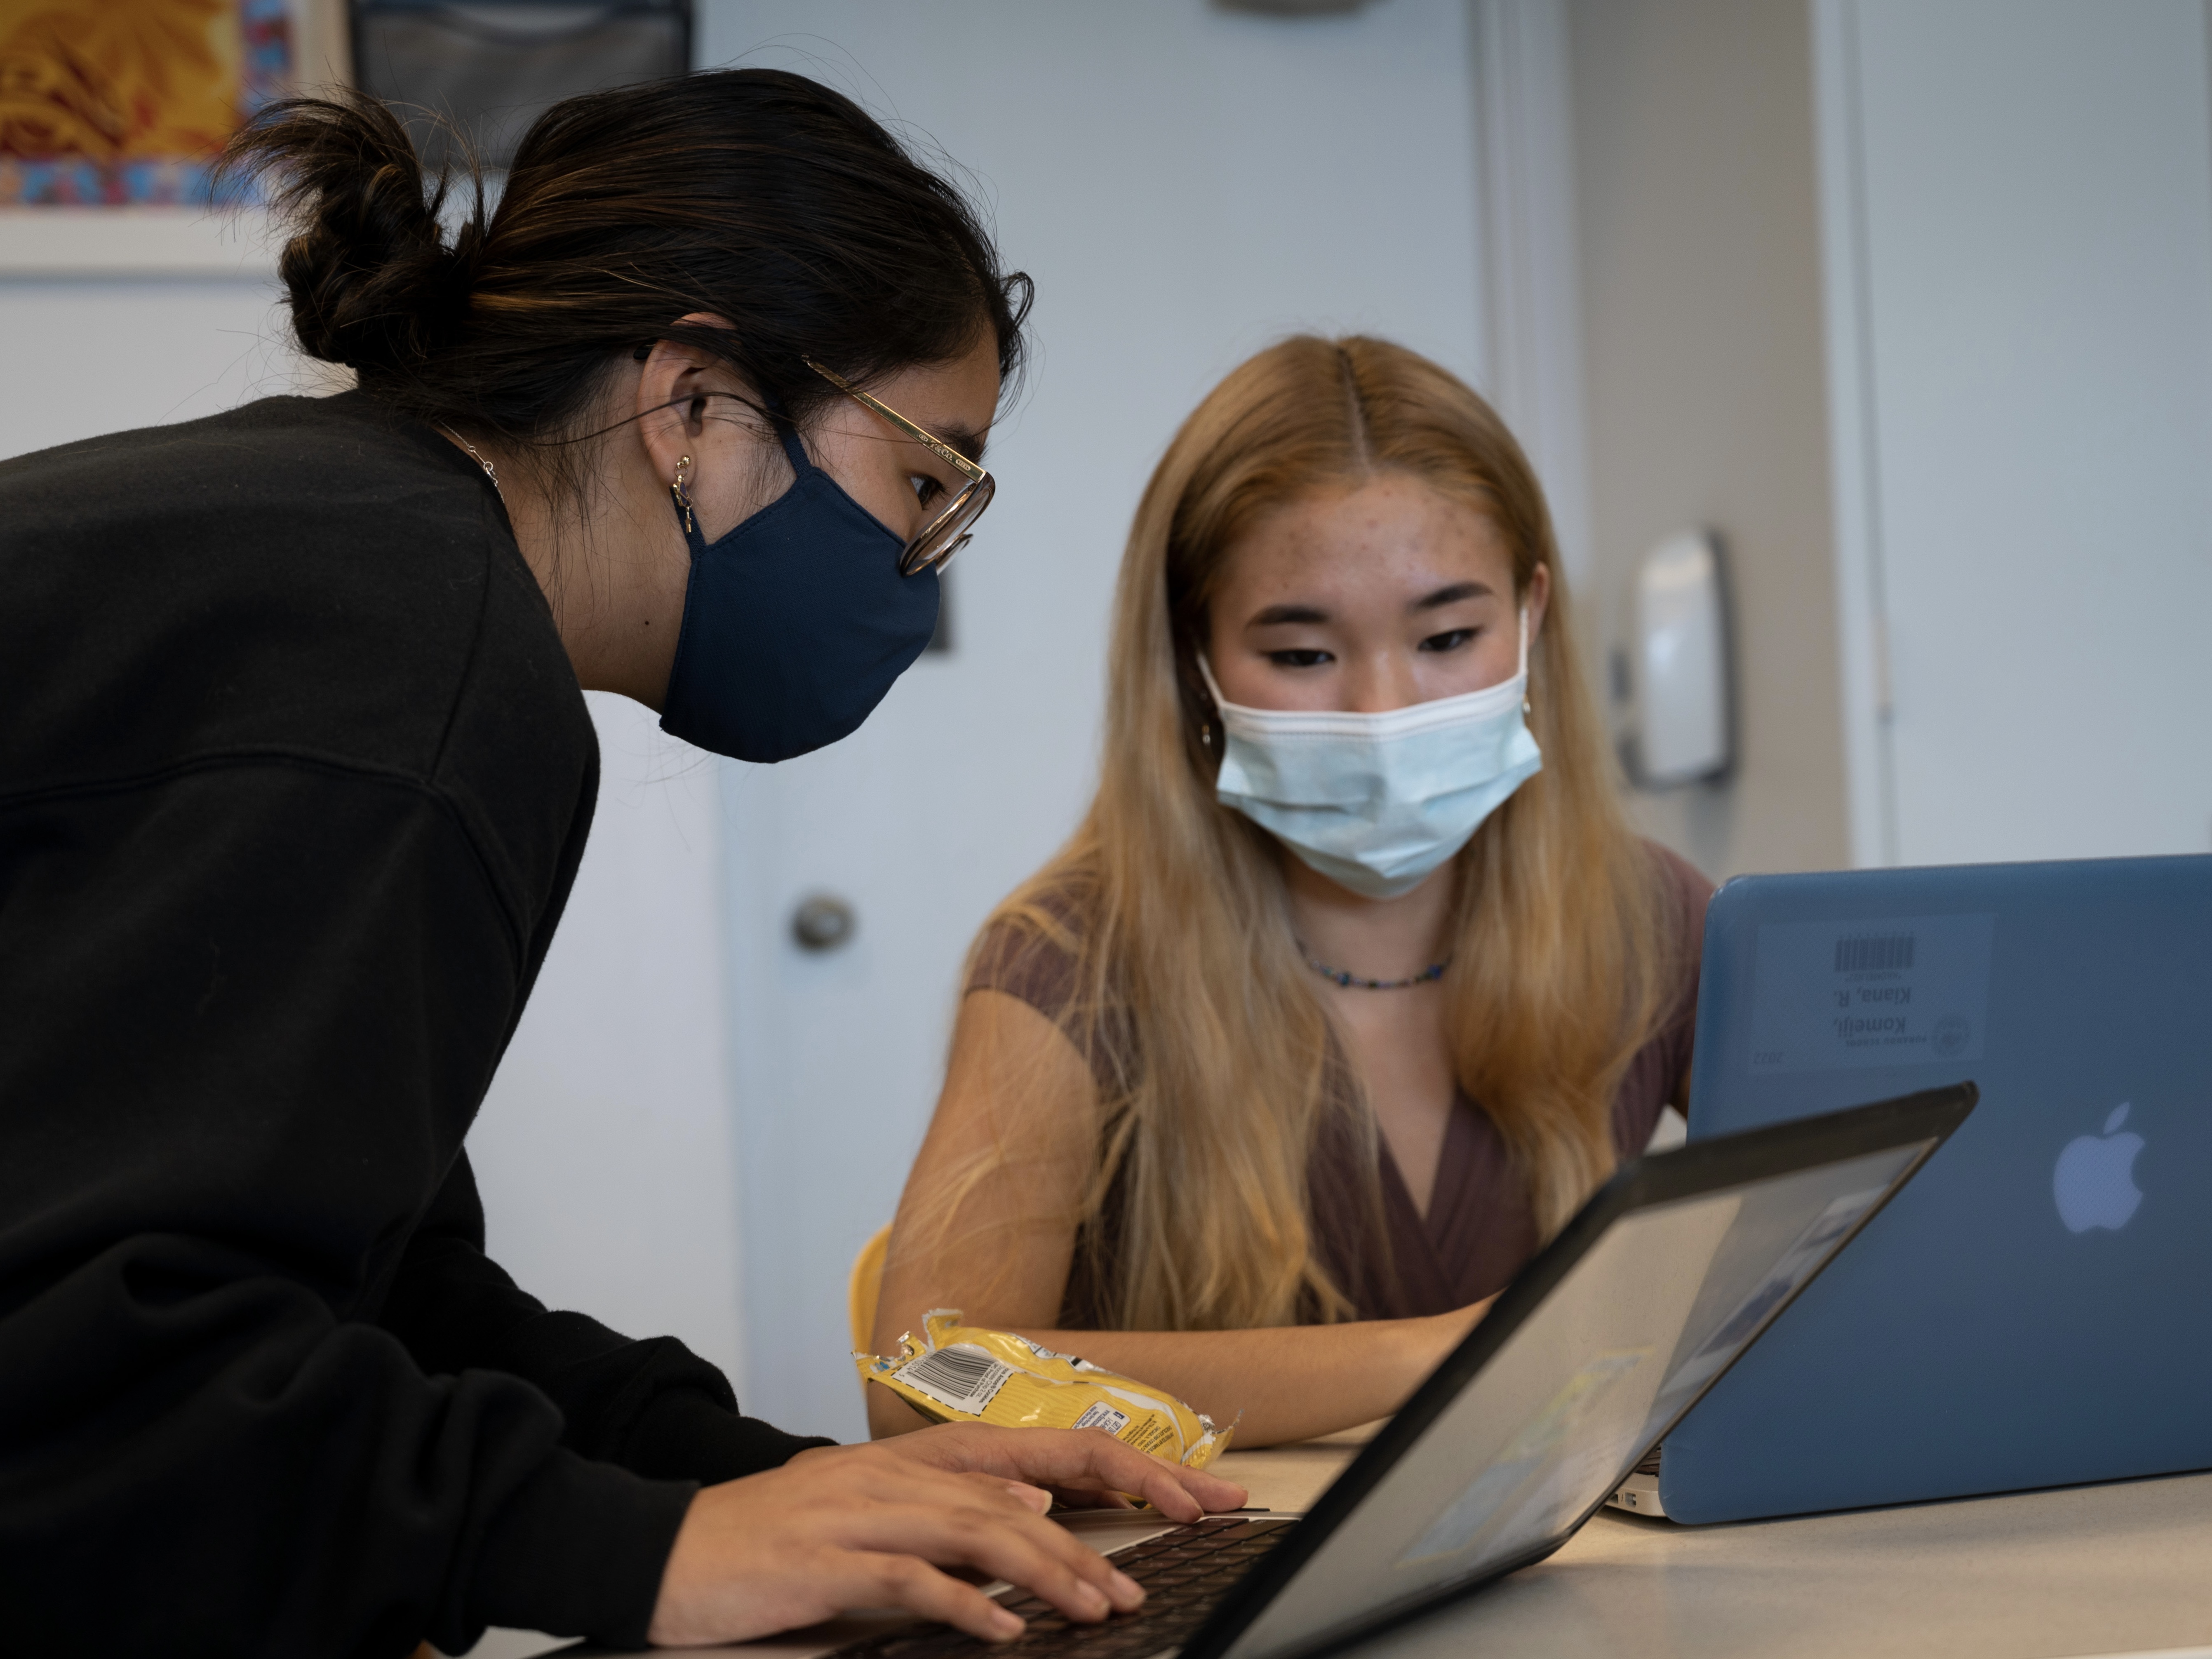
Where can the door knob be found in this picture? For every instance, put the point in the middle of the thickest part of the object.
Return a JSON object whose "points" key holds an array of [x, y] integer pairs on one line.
{"points": [[822, 921]]}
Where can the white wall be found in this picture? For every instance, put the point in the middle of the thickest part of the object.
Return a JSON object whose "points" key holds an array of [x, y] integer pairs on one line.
{"points": [[1185, 184], [2018, 205], [1526, 149], [113, 321]]}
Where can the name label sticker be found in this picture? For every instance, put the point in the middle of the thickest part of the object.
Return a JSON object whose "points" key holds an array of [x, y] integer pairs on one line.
{"points": [[1910, 991]]}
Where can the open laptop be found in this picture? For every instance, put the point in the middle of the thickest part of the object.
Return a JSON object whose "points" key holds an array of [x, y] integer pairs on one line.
{"points": [[1669, 1273], [2037, 1311]]}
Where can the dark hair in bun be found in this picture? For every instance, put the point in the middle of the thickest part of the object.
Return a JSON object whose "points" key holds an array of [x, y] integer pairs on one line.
{"points": [[753, 194]]}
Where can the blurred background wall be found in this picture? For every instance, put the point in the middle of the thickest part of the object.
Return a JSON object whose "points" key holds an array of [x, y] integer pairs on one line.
{"points": [[2016, 200], [1908, 302], [1706, 397]]}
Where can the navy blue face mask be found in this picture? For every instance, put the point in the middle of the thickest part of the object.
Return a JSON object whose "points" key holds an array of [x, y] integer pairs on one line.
{"points": [[795, 624]]}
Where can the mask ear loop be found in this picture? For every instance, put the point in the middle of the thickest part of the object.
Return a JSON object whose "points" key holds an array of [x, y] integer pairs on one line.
{"points": [[1213, 691], [1527, 706], [1213, 685], [786, 432]]}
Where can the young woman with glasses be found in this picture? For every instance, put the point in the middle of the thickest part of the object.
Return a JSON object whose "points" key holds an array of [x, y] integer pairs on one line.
{"points": [[294, 782], [1353, 983]]}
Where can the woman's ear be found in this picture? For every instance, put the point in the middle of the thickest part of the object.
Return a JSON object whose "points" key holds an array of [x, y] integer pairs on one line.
{"points": [[1538, 598], [679, 389]]}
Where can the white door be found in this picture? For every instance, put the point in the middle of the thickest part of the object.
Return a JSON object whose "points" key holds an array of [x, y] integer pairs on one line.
{"points": [[1185, 184], [2019, 218]]}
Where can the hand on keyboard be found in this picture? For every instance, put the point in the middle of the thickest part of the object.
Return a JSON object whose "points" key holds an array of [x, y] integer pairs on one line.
{"points": [[1085, 1469], [1185, 1573], [846, 1527]]}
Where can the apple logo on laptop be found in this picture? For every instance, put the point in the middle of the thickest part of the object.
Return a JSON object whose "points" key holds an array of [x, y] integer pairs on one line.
{"points": [[2094, 1182]]}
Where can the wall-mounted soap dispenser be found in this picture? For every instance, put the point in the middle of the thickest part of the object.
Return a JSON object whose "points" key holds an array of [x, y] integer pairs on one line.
{"points": [[1674, 676]]}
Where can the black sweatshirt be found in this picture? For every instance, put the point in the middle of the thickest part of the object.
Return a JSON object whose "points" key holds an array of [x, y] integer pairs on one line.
{"points": [[295, 775]]}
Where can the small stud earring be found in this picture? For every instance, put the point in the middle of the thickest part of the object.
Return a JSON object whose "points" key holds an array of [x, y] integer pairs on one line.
{"points": [[682, 493]]}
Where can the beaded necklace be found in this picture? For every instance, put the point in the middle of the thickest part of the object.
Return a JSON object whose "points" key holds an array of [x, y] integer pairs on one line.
{"points": [[1428, 975]]}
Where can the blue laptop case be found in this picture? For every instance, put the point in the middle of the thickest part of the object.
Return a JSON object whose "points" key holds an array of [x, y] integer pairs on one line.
{"points": [[2036, 1309]]}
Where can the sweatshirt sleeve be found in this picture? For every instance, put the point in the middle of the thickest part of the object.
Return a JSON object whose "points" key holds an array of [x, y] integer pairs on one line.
{"points": [[249, 1008], [653, 1407]]}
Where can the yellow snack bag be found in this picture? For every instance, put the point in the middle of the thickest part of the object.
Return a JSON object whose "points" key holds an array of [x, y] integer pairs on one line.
{"points": [[965, 1374]]}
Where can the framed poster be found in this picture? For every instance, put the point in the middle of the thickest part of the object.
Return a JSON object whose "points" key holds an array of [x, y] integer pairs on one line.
{"points": [[126, 103], [112, 112]]}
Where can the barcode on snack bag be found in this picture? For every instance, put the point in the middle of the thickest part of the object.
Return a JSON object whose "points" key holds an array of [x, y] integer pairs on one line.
{"points": [[961, 1377], [1100, 1415]]}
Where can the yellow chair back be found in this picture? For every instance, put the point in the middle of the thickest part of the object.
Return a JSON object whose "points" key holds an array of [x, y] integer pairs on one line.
{"points": [[867, 1288]]}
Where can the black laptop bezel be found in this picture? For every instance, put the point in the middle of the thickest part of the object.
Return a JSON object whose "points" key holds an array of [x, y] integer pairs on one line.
{"points": [[1929, 1115]]}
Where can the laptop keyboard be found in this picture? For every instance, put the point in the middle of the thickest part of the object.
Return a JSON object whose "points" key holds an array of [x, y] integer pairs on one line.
{"points": [[1184, 1571]]}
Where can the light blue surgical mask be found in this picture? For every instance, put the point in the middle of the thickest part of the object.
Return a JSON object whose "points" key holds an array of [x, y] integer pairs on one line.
{"points": [[1376, 802]]}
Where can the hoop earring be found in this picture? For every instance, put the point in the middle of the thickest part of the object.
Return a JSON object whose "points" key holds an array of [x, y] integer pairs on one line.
{"points": [[683, 493]]}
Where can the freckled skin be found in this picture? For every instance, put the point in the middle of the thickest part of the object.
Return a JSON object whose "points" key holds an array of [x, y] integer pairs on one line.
{"points": [[1356, 564]]}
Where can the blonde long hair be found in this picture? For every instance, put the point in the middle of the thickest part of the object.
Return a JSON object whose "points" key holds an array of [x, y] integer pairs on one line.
{"points": [[1218, 1072]]}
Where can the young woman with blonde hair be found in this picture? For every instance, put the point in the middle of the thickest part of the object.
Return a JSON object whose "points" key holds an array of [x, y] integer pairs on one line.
{"points": [[1353, 983]]}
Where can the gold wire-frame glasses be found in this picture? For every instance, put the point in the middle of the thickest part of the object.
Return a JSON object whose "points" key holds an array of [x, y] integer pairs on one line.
{"points": [[951, 530]]}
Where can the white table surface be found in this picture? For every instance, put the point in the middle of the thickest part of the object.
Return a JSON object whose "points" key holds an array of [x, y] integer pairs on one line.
{"points": [[2126, 1568], [2111, 1569]]}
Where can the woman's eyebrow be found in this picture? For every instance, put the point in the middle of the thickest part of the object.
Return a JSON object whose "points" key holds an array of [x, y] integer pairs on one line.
{"points": [[1452, 595], [966, 440], [1275, 614]]}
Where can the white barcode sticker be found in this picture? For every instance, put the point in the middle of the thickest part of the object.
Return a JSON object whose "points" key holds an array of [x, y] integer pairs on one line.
{"points": [[961, 1377], [1100, 1415], [1896, 991]]}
